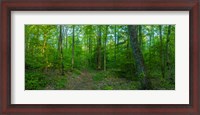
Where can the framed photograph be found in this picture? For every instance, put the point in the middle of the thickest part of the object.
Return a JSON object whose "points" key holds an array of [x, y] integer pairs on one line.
{"points": [[100, 57]]}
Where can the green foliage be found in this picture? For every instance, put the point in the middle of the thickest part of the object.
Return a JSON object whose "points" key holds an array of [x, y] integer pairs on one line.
{"points": [[76, 71], [105, 55], [60, 83], [35, 81], [99, 76], [162, 84], [141, 75], [107, 88]]}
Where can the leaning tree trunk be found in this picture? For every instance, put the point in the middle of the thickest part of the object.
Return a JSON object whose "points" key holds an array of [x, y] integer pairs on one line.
{"points": [[139, 60]]}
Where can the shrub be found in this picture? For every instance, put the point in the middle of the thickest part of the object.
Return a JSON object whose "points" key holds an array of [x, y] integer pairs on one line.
{"points": [[34, 81]]}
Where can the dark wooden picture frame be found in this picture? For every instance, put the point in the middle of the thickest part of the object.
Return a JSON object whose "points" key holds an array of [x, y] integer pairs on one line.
{"points": [[193, 6]]}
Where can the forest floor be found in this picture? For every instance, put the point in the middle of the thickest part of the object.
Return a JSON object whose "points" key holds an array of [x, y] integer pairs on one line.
{"points": [[86, 79], [80, 80], [91, 80]]}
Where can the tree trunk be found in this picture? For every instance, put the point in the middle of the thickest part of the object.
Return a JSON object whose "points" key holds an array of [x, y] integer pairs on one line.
{"points": [[161, 53], [139, 60], [167, 52], [66, 37], [73, 48], [128, 49], [105, 48], [60, 50], [89, 46], [66, 42], [99, 49], [150, 37], [90, 52]]}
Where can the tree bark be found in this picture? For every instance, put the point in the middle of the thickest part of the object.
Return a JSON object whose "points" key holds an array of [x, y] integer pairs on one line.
{"points": [[60, 51], [167, 50], [161, 52], [150, 37], [66, 37], [89, 47], [99, 49], [139, 60], [73, 48], [105, 48]]}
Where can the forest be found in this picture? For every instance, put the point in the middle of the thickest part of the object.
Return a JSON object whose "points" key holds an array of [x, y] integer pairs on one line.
{"points": [[99, 57]]}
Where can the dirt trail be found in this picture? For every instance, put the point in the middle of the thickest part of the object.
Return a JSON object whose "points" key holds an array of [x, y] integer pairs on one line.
{"points": [[80, 82], [89, 80]]}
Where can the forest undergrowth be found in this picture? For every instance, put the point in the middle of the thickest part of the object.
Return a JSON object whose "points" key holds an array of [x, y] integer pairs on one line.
{"points": [[78, 80], [85, 79]]}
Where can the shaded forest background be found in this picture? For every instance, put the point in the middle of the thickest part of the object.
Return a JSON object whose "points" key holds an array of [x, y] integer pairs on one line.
{"points": [[101, 57]]}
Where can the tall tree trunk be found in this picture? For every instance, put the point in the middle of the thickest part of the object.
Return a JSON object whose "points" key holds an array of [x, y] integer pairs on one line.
{"points": [[150, 37], [66, 34], [105, 48], [99, 49], [90, 52], [73, 48], [139, 60], [128, 49], [161, 52], [167, 50], [60, 50], [66, 43], [89, 46]]}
